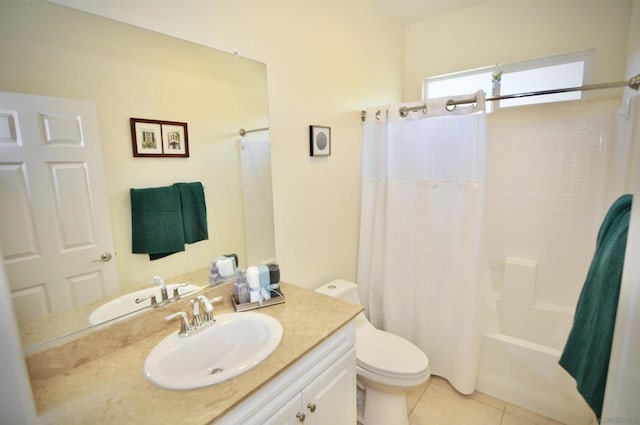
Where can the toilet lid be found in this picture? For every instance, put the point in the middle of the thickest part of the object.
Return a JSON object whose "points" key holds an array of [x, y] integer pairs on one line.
{"points": [[388, 354]]}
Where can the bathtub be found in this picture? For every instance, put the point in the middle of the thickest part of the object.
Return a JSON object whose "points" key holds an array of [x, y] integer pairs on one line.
{"points": [[519, 360], [528, 375]]}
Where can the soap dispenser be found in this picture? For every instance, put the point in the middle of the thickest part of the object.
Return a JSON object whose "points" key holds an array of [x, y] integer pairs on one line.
{"points": [[241, 288], [214, 274], [274, 277]]}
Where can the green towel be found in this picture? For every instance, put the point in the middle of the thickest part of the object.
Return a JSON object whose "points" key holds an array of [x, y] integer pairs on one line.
{"points": [[156, 222], [586, 353], [194, 211]]}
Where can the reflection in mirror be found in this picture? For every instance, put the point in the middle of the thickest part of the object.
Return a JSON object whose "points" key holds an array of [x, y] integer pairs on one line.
{"points": [[123, 72]]}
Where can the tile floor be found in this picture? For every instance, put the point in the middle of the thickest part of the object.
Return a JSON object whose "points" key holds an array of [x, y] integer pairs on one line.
{"points": [[437, 403]]}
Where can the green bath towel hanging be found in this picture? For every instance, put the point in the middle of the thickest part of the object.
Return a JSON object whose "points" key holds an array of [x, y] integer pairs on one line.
{"points": [[163, 219], [156, 221], [194, 211], [586, 353]]}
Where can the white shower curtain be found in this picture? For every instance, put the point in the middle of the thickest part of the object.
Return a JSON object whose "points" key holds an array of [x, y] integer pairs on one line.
{"points": [[422, 269], [257, 198]]}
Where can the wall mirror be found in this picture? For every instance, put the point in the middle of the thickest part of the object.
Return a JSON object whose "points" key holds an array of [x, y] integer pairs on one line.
{"points": [[124, 72]]}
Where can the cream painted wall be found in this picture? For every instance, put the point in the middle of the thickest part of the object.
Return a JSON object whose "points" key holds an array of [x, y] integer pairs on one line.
{"points": [[506, 31], [633, 51], [128, 72], [326, 61]]}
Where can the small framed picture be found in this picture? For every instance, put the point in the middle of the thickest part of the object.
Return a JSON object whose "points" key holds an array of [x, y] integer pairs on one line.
{"points": [[174, 139], [156, 138], [319, 140]]}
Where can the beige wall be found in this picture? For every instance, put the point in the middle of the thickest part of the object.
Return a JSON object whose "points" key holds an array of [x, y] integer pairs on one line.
{"points": [[633, 51], [506, 31], [128, 72], [326, 60]]}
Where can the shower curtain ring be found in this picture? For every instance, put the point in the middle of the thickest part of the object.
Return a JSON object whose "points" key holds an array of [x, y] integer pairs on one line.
{"points": [[451, 105], [378, 115], [403, 112]]}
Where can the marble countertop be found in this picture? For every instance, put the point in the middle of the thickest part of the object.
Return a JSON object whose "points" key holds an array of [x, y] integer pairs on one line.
{"points": [[111, 389]]}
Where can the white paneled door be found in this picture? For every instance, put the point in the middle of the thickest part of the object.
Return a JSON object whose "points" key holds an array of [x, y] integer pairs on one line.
{"points": [[54, 221]]}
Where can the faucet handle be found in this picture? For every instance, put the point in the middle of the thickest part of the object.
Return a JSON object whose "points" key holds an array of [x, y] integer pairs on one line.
{"points": [[185, 327], [208, 306], [175, 290], [148, 297], [216, 300]]}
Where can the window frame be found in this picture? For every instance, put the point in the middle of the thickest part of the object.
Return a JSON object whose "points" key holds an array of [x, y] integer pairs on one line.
{"points": [[585, 56]]}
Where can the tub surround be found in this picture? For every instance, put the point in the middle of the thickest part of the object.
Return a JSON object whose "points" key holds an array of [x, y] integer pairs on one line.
{"points": [[99, 378], [528, 375]]}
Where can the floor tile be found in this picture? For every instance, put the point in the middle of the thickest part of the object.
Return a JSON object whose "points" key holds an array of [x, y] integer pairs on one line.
{"points": [[509, 419], [487, 399], [414, 394], [482, 397], [529, 416], [438, 380], [442, 405]]}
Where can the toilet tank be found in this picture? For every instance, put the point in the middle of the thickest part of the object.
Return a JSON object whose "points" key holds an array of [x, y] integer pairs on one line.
{"points": [[342, 289]]}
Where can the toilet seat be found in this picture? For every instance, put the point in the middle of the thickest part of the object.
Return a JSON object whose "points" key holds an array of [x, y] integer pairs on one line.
{"points": [[387, 355]]}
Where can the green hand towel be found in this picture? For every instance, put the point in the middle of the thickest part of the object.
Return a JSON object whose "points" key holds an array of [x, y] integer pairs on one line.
{"points": [[586, 353], [194, 211], [156, 222]]}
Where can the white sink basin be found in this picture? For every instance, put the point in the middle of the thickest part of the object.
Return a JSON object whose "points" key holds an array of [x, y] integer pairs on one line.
{"points": [[127, 303], [235, 343]]}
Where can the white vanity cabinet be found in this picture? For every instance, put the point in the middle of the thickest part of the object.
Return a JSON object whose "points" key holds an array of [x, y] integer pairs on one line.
{"points": [[329, 399], [318, 389]]}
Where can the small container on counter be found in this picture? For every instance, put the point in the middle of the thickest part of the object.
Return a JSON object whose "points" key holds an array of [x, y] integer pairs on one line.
{"points": [[241, 288], [274, 278], [260, 289], [253, 279], [265, 283], [226, 266]]}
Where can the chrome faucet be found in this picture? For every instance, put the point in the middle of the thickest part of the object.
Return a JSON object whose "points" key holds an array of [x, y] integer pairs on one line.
{"points": [[157, 280], [198, 321]]}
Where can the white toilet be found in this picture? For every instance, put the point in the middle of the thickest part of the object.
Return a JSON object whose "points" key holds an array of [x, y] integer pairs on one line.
{"points": [[387, 365]]}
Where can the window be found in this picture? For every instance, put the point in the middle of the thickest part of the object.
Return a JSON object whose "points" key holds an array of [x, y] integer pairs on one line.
{"points": [[555, 72]]}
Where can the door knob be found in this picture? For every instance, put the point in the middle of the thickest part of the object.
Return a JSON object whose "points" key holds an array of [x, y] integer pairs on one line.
{"points": [[105, 257], [301, 417], [312, 407]]}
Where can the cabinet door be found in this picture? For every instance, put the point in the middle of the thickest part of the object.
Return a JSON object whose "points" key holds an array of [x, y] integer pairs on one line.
{"points": [[288, 414], [331, 398]]}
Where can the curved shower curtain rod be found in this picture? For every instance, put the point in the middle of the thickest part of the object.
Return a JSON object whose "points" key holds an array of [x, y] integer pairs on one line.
{"points": [[242, 131], [633, 83]]}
